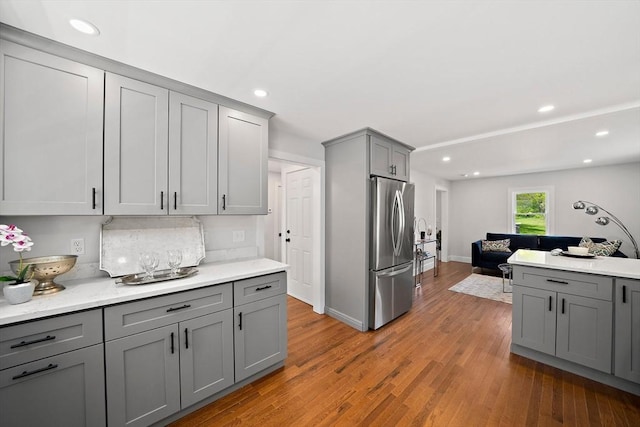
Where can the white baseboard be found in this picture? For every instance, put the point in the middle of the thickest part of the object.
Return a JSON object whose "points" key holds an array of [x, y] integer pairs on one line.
{"points": [[460, 258]]}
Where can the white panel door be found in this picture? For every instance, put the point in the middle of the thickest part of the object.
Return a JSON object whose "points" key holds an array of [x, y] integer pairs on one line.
{"points": [[299, 234], [135, 147]]}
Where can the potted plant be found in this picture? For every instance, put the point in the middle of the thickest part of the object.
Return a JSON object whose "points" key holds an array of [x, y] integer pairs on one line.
{"points": [[19, 288]]}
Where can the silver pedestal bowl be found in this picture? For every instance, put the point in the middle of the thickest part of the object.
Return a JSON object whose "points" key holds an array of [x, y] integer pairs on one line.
{"points": [[45, 269]]}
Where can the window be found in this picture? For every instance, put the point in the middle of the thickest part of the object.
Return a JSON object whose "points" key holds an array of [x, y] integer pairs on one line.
{"points": [[530, 211]]}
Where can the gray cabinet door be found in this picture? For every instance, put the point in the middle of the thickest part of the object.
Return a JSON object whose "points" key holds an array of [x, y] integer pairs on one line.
{"points": [[193, 155], [534, 319], [584, 333], [381, 156], [627, 331], [143, 377], [206, 356], [260, 335], [400, 162], [62, 390], [51, 121], [243, 151], [135, 147]]}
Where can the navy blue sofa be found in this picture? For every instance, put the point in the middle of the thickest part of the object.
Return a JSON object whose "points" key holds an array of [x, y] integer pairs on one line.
{"points": [[491, 260]]}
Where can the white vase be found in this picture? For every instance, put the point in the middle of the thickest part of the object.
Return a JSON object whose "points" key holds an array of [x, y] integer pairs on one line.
{"points": [[17, 294]]}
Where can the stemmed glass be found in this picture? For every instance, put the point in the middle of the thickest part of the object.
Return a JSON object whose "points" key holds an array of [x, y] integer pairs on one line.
{"points": [[174, 257], [149, 262]]}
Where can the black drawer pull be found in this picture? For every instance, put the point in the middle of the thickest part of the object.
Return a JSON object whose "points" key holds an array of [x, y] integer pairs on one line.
{"points": [[175, 200], [93, 198], [172, 346], [562, 282], [562, 305], [162, 200], [37, 371], [224, 202], [624, 294], [263, 288], [240, 316], [169, 310], [186, 338], [25, 343], [550, 302]]}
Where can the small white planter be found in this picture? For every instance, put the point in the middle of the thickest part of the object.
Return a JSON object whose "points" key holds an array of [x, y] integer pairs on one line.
{"points": [[17, 294]]}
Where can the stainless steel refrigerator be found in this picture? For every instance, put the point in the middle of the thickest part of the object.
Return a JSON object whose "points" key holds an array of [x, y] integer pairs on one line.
{"points": [[391, 264]]}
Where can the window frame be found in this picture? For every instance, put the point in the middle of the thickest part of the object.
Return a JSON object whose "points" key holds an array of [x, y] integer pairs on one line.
{"points": [[549, 206]]}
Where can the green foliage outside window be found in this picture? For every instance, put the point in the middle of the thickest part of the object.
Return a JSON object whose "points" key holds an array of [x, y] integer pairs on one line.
{"points": [[530, 216]]}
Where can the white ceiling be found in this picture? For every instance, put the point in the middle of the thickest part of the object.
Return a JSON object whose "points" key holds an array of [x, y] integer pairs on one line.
{"points": [[457, 78]]}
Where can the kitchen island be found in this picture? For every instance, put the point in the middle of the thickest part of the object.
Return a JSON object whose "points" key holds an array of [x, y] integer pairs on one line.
{"points": [[141, 355], [579, 314]]}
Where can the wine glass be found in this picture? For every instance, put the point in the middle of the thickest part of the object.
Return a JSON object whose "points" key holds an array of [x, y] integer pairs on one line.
{"points": [[149, 262], [174, 257]]}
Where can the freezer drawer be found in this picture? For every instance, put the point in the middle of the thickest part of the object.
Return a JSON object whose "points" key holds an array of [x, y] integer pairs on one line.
{"points": [[391, 294]]}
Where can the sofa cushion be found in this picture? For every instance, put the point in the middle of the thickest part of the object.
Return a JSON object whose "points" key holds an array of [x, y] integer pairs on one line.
{"points": [[518, 241], [496, 245], [548, 243], [607, 248]]}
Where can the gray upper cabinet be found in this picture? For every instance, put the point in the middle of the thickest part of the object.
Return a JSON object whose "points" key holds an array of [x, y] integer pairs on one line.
{"points": [[388, 158], [161, 151], [136, 147], [627, 321], [243, 151], [51, 120]]}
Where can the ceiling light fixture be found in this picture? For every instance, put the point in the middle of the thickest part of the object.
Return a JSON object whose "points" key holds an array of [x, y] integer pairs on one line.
{"points": [[446, 158], [602, 133], [260, 93], [84, 27], [476, 173], [587, 161], [546, 109]]}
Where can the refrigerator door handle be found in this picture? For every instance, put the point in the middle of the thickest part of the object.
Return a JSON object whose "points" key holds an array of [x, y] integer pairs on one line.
{"points": [[402, 223], [395, 208], [395, 272]]}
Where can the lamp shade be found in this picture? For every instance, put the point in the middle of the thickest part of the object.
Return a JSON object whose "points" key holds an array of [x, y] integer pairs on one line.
{"points": [[578, 205], [603, 220], [591, 210]]}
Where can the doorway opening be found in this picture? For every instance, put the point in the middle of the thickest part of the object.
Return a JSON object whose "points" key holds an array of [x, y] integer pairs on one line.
{"points": [[442, 223], [294, 227]]}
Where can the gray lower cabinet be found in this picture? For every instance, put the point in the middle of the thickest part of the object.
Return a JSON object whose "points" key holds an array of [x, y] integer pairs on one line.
{"points": [[52, 372], [627, 336], [566, 315], [260, 323], [177, 350]]}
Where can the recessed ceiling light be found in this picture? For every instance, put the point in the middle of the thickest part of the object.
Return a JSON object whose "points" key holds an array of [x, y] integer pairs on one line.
{"points": [[261, 93], [476, 173], [84, 27], [546, 109], [446, 158], [464, 175], [587, 161], [602, 133]]}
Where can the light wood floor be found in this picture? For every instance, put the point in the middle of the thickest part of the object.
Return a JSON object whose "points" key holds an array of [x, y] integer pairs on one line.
{"points": [[445, 363]]}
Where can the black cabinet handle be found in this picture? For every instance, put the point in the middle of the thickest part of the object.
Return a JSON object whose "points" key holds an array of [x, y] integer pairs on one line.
{"points": [[27, 373], [562, 282], [93, 197], [172, 346], [562, 305], [624, 294], [162, 200], [169, 310], [25, 343], [550, 302], [240, 316], [263, 288], [224, 201], [186, 338], [175, 200], [287, 239]]}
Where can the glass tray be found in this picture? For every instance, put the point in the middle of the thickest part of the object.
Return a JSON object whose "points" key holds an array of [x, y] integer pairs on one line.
{"points": [[158, 276]]}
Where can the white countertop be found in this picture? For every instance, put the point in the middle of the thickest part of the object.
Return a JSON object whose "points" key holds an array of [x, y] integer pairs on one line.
{"points": [[92, 293], [605, 266]]}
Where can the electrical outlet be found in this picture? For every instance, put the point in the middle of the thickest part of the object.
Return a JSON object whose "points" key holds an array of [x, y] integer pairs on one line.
{"points": [[238, 236], [77, 246]]}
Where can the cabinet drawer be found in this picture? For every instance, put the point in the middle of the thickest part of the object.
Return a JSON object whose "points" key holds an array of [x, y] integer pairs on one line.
{"points": [[132, 318], [257, 288], [27, 342], [586, 285]]}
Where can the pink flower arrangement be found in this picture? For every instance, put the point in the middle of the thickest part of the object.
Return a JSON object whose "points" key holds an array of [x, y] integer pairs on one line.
{"points": [[12, 235]]}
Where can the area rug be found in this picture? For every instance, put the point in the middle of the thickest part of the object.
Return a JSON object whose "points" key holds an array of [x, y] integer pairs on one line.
{"points": [[483, 286]]}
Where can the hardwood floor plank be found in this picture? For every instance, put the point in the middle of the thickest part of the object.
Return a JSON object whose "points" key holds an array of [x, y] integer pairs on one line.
{"points": [[445, 363]]}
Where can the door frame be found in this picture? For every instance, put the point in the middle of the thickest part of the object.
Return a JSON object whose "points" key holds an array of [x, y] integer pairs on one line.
{"points": [[444, 220], [319, 226]]}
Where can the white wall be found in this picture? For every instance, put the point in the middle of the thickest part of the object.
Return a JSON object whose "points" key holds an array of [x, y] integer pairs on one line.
{"points": [[272, 227], [478, 206], [283, 137], [52, 236]]}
